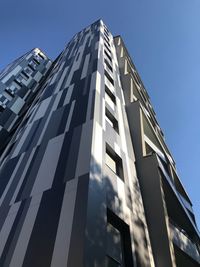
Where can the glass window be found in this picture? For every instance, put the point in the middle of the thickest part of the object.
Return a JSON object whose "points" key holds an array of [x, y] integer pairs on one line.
{"points": [[19, 78], [106, 38], [106, 46], [108, 56], [3, 102], [32, 65], [24, 75], [37, 60], [107, 42], [118, 250], [111, 95], [28, 70], [112, 121], [114, 245], [109, 77], [111, 163], [114, 162], [109, 101], [108, 65], [40, 55]]}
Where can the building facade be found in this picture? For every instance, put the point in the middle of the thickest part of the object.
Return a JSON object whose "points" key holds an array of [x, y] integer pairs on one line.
{"points": [[171, 223], [86, 177], [19, 83]]}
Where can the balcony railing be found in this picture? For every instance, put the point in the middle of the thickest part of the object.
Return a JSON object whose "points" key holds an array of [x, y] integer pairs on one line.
{"points": [[186, 203], [183, 241], [178, 196]]}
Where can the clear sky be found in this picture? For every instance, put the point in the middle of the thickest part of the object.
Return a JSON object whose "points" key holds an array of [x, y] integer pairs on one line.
{"points": [[163, 38]]}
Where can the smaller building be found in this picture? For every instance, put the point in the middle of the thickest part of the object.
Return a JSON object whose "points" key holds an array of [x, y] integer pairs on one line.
{"points": [[19, 84]]}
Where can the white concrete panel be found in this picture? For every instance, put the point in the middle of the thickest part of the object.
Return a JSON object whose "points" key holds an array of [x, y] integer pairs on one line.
{"points": [[55, 104], [70, 116], [123, 139], [98, 82], [12, 124], [84, 156], [32, 112], [37, 76], [72, 49], [54, 77], [121, 195], [104, 115], [22, 140], [42, 108], [17, 106], [97, 150], [68, 95], [13, 72], [91, 38], [61, 79], [85, 66], [5, 231], [22, 177], [48, 65], [62, 243], [29, 56], [48, 166], [61, 66], [22, 242], [8, 96]]}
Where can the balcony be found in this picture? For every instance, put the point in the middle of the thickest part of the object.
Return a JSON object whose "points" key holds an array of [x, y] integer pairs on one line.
{"points": [[186, 203], [182, 240]]}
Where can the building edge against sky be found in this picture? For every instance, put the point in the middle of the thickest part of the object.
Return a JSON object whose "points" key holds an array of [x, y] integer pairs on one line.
{"points": [[86, 177]]}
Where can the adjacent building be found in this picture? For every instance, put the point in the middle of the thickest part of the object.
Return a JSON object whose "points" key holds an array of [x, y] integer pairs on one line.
{"points": [[86, 177], [19, 83]]}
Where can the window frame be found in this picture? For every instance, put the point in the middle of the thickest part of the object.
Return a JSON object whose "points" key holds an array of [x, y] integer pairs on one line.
{"points": [[112, 120], [118, 162]]}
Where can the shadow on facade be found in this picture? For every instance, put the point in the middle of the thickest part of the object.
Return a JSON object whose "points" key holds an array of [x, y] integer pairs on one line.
{"points": [[111, 233]]}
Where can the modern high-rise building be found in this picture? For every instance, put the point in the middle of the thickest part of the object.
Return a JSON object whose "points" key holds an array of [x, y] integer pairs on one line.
{"points": [[86, 177], [19, 83]]}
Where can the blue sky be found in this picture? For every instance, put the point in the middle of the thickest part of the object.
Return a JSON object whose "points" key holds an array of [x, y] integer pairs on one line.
{"points": [[163, 38]]}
